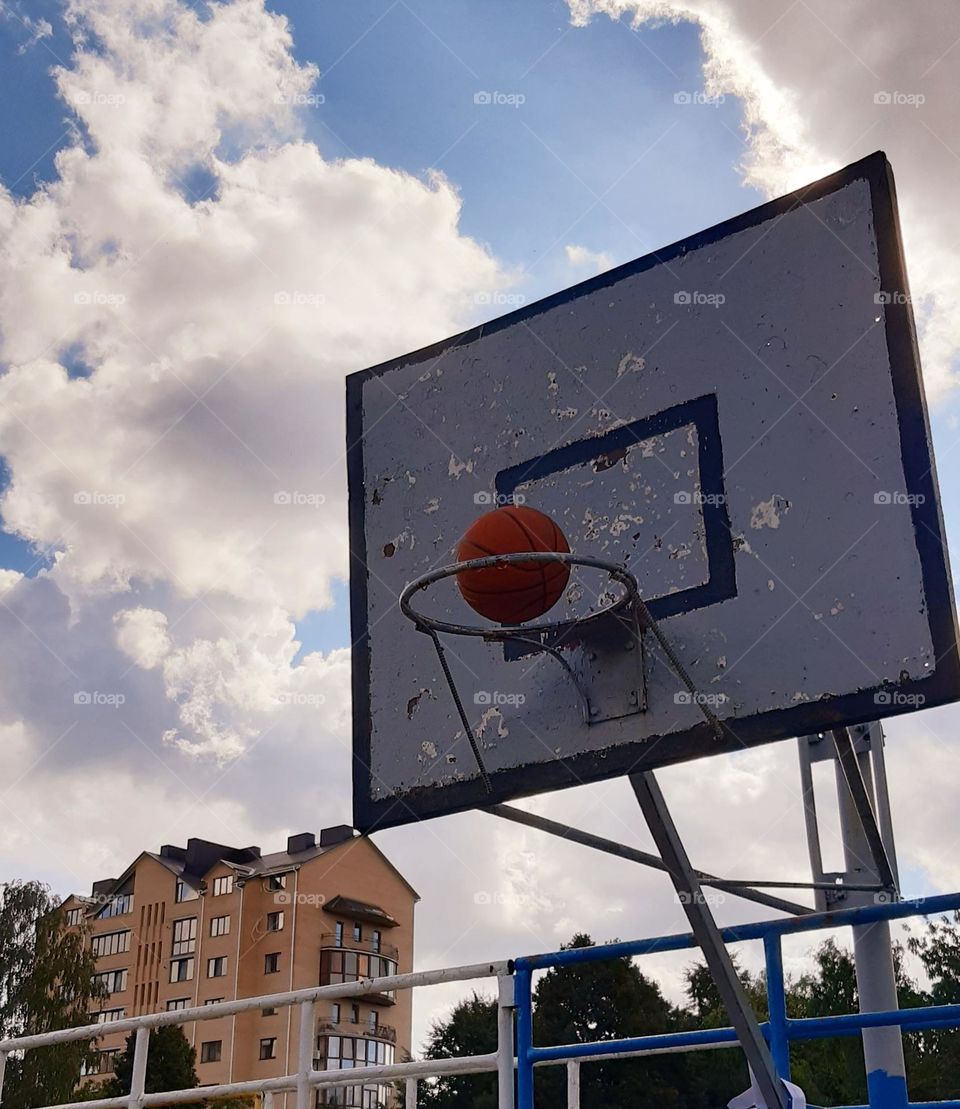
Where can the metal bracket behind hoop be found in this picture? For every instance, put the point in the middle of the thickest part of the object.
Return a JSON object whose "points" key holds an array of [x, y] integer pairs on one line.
{"points": [[601, 640]]}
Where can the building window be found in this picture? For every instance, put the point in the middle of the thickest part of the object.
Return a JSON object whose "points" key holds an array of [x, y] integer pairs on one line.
{"points": [[357, 933], [373, 1020], [271, 1012], [213, 1001], [102, 1063], [111, 981], [268, 1048], [184, 936], [348, 966], [220, 926], [271, 963], [223, 885], [354, 1014], [335, 1012], [217, 968], [274, 922], [350, 1053], [375, 938], [108, 1016], [338, 933], [181, 970], [74, 917], [277, 882], [178, 1003], [210, 1051], [117, 906], [110, 943]]}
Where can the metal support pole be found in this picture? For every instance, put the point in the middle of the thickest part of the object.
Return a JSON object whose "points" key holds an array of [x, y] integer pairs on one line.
{"points": [[687, 885], [505, 1007], [873, 951], [573, 1084], [522, 983], [777, 1004], [305, 1054], [3, 1067], [410, 1094], [856, 772], [138, 1079]]}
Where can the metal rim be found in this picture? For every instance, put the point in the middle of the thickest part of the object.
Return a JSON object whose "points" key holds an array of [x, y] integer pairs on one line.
{"points": [[631, 595]]}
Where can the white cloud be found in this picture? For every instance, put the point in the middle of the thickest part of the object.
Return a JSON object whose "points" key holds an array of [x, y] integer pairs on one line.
{"points": [[580, 257], [823, 84]]}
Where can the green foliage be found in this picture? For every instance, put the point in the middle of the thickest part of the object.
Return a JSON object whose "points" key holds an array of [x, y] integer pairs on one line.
{"points": [[470, 1030], [46, 983], [171, 1063]]}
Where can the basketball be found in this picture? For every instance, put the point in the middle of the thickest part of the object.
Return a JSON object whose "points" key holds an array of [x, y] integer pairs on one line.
{"points": [[517, 591]]}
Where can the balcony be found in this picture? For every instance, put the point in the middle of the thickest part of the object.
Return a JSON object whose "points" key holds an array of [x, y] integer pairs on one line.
{"points": [[375, 947], [362, 1030], [340, 963]]}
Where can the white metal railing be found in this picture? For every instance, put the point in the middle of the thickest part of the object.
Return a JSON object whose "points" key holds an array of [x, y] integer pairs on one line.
{"points": [[306, 1078]]}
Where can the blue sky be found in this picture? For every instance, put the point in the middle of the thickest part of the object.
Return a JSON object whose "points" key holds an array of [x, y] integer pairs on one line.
{"points": [[598, 153]]}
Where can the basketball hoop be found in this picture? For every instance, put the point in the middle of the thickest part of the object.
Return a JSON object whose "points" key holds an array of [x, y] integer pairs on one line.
{"points": [[629, 613]]}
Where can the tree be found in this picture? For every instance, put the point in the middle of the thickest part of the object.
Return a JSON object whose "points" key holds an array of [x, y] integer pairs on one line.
{"points": [[46, 983], [606, 1000], [470, 1030], [171, 1063], [936, 1071]]}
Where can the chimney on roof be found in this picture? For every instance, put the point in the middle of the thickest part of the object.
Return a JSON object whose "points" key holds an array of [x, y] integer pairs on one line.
{"points": [[104, 886], [340, 833], [170, 851], [303, 841]]}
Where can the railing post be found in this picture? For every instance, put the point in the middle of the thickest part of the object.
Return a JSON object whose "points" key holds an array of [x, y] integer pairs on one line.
{"points": [[573, 1084], [3, 1067], [524, 1003], [138, 1079], [305, 1054], [777, 1004], [505, 1007], [410, 1098]]}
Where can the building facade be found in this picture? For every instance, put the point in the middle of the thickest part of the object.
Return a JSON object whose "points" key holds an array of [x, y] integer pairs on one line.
{"points": [[207, 922]]}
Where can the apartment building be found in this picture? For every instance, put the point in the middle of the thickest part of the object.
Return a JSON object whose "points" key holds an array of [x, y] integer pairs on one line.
{"points": [[208, 922]]}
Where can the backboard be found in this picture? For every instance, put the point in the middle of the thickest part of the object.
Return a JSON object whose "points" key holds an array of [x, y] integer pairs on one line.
{"points": [[739, 420]]}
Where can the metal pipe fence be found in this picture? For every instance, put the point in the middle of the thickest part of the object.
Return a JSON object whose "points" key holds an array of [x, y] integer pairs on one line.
{"points": [[516, 1057]]}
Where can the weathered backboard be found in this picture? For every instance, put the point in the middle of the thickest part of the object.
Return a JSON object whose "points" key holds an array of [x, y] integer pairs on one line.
{"points": [[738, 419]]}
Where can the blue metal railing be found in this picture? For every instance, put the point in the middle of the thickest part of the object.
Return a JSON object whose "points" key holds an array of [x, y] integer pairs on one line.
{"points": [[780, 1030]]}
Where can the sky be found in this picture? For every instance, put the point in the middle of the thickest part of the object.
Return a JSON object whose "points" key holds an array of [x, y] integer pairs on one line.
{"points": [[209, 214]]}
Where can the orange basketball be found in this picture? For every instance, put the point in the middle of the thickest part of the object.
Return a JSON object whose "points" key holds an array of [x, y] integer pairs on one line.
{"points": [[517, 591]]}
